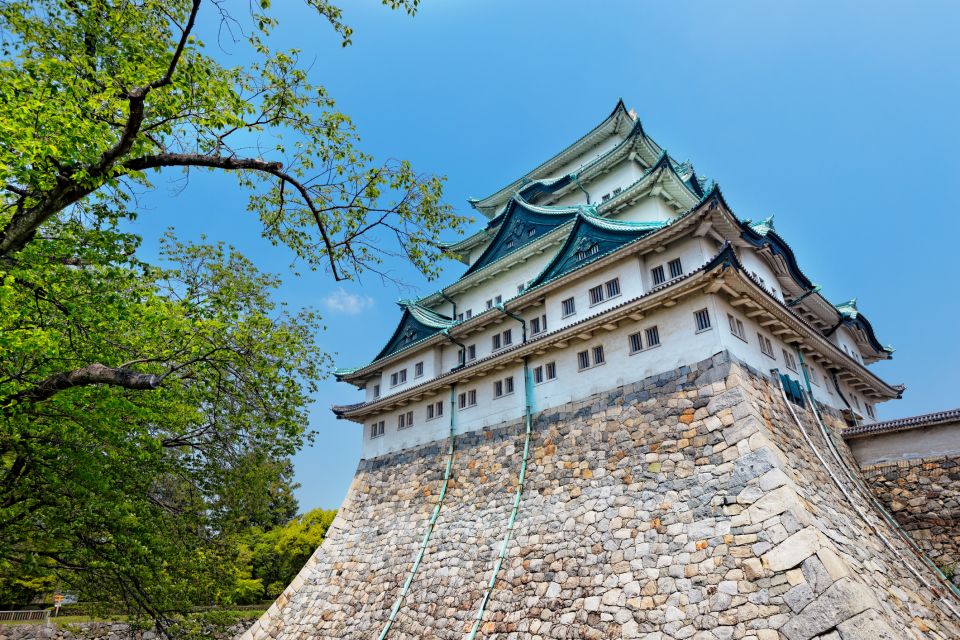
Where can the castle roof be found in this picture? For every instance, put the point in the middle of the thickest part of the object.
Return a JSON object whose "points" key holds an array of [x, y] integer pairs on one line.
{"points": [[951, 416], [619, 120], [591, 238]]}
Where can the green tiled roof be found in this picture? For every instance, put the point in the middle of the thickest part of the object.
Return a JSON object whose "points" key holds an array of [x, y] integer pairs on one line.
{"points": [[590, 238], [417, 323], [522, 224]]}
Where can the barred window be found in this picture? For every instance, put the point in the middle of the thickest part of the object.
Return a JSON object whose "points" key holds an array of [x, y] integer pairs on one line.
{"points": [[658, 277], [676, 269], [377, 429], [653, 337], [537, 375], [736, 327], [702, 318], [538, 325], [376, 391], [613, 287], [596, 295], [568, 307], [598, 355], [766, 347], [430, 411], [418, 370], [551, 370], [790, 361], [636, 342], [583, 360]]}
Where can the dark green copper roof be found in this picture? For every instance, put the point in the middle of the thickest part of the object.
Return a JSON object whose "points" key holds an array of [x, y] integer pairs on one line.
{"points": [[416, 324], [522, 224], [591, 238]]}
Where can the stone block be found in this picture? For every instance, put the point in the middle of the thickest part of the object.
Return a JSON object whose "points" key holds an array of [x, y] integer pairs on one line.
{"points": [[869, 625], [843, 600], [794, 550]]}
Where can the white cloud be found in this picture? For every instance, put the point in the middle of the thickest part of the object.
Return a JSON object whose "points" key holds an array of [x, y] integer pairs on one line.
{"points": [[342, 301]]}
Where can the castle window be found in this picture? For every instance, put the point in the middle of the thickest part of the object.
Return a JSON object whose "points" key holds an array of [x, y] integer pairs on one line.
{"points": [[489, 304], [736, 327], [596, 295], [551, 369], [537, 375], [405, 420], [531, 232], [469, 313], [519, 288], [613, 287], [418, 370], [617, 191], [502, 340], [498, 300], [434, 410], [503, 387], [870, 410], [538, 325], [676, 269], [377, 429], [509, 244], [605, 197], [568, 307], [766, 347], [583, 358], [376, 391], [496, 341], [508, 337], [658, 277], [598, 355], [467, 399], [653, 337], [636, 342], [702, 318], [398, 377], [790, 361], [469, 354]]}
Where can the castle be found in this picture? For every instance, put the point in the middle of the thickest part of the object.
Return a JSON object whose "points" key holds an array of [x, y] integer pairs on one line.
{"points": [[624, 419]]}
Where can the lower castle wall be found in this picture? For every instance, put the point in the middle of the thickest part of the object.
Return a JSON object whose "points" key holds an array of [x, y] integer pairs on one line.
{"points": [[923, 494], [687, 505]]}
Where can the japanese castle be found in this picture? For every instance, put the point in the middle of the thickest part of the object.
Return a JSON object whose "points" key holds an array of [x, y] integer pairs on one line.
{"points": [[609, 263]]}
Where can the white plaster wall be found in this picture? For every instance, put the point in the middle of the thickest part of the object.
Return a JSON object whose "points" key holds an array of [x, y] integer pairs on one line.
{"points": [[622, 175], [928, 442], [754, 264], [749, 351], [504, 284], [647, 209], [679, 345], [589, 155]]}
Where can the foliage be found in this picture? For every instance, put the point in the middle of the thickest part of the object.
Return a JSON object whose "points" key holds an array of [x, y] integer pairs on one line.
{"points": [[267, 560], [97, 95], [148, 411]]}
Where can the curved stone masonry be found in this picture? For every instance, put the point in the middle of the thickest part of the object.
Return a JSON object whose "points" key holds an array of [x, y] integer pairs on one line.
{"points": [[687, 505]]}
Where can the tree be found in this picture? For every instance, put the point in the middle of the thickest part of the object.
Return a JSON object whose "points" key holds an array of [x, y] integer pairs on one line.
{"points": [[148, 411]]}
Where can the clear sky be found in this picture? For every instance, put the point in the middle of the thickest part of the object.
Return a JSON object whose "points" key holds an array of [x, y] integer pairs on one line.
{"points": [[839, 118]]}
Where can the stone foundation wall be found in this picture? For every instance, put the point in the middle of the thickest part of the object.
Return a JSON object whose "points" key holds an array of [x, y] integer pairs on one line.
{"points": [[687, 505], [102, 631], [924, 496]]}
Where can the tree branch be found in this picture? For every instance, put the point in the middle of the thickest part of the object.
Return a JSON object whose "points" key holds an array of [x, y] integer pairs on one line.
{"points": [[240, 164], [92, 374]]}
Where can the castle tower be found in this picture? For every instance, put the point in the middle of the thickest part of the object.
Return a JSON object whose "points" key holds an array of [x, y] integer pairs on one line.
{"points": [[622, 421]]}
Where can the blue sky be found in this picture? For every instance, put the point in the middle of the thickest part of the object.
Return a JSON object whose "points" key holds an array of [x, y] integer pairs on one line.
{"points": [[838, 118]]}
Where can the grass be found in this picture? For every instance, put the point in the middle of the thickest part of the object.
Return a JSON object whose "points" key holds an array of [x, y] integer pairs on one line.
{"points": [[218, 617]]}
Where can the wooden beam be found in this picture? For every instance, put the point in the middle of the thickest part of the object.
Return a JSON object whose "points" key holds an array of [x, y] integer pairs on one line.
{"points": [[586, 335], [610, 326], [636, 316]]}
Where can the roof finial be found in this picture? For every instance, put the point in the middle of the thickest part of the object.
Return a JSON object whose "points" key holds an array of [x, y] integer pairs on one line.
{"points": [[632, 113]]}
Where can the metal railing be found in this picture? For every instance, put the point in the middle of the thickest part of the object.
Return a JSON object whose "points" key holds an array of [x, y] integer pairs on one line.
{"points": [[25, 614]]}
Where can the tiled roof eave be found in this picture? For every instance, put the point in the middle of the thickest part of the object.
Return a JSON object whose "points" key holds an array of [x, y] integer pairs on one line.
{"points": [[903, 424], [662, 235]]}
